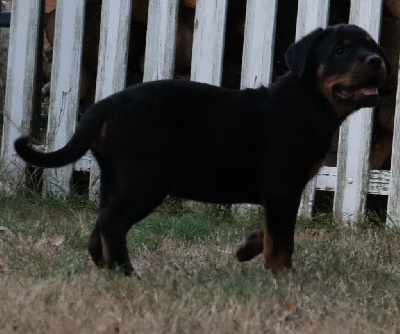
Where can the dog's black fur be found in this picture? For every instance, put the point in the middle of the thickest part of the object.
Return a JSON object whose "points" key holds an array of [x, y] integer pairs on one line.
{"points": [[211, 144]]}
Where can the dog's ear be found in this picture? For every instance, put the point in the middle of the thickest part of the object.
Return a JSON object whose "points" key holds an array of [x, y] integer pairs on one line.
{"points": [[297, 56]]}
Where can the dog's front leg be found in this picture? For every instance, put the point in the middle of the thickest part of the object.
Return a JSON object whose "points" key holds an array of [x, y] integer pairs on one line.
{"points": [[281, 212]]}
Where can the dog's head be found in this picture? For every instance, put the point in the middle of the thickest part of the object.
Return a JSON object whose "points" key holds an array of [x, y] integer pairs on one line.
{"points": [[347, 66]]}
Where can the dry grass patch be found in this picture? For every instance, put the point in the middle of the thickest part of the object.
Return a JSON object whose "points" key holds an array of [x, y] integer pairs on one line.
{"points": [[346, 281]]}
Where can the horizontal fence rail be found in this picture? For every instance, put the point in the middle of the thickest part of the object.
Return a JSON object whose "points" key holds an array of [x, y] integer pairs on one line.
{"points": [[351, 180]]}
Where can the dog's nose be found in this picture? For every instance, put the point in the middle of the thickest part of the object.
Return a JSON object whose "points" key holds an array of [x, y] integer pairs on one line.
{"points": [[374, 60]]}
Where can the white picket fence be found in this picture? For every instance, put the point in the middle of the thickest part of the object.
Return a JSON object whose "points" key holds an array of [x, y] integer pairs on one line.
{"points": [[351, 180]]}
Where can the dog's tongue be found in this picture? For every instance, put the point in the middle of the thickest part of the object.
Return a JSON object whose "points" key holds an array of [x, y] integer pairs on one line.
{"points": [[368, 91]]}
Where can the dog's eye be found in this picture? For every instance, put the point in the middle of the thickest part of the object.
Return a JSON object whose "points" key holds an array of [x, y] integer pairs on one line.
{"points": [[339, 50]]}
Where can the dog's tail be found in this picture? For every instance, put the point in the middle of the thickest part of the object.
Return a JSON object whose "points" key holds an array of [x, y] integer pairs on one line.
{"points": [[86, 132]]}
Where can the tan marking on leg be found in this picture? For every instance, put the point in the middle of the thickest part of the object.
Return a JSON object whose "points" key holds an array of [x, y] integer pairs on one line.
{"points": [[106, 252], [98, 143], [276, 262]]}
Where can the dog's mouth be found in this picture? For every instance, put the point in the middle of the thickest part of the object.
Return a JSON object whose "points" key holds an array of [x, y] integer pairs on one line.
{"points": [[354, 93], [364, 92]]}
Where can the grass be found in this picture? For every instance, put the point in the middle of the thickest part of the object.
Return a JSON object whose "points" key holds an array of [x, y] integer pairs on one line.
{"points": [[346, 281]]}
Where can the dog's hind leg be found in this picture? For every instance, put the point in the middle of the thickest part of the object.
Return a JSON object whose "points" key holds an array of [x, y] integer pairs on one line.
{"points": [[95, 248], [124, 208]]}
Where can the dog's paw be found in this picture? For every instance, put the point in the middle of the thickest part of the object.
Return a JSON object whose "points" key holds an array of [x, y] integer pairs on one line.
{"points": [[253, 246]]}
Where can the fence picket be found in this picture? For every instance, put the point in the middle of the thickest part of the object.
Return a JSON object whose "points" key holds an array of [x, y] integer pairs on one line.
{"points": [[258, 43], [21, 76], [113, 59], [208, 41], [355, 134], [393, 218], [161, 40], [64, 98], [311, 15], [258, 50]]}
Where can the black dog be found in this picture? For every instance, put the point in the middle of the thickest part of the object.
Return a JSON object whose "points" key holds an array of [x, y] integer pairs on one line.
{"points": [[212, 144]]}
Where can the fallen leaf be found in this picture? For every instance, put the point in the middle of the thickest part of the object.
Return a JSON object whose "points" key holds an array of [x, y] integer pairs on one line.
{"points": [[289, 305]]}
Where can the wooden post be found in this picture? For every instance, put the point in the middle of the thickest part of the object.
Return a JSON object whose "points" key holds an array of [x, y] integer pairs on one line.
{"points": [[393, 217], [258, 50], [208, 44], [355, 134], [64, 98], [311, 15], [208, 41], [113, 60], [161, 40], [259, 38], [21, 77]]}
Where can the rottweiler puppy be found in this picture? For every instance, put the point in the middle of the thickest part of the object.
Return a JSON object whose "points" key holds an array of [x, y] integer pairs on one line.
{"points": [[218, 145]]}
